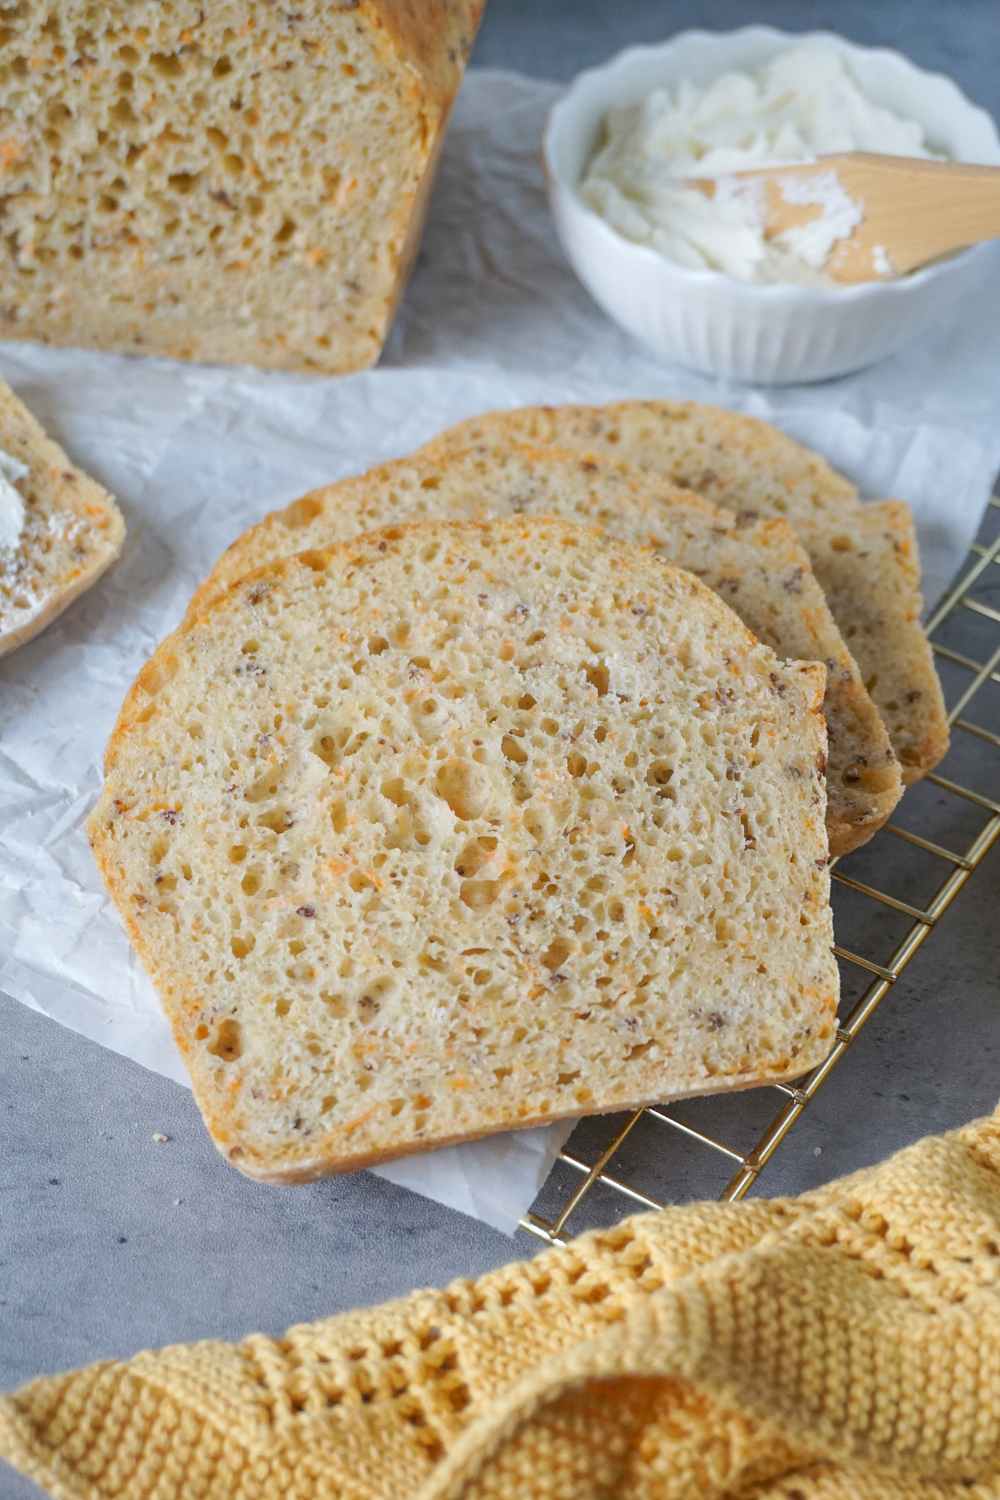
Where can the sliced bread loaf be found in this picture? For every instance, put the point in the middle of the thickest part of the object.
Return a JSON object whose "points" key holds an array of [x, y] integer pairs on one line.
{"points": [[869, 569], [756, 565], [462, 826], [59, 529], [230, 181]]}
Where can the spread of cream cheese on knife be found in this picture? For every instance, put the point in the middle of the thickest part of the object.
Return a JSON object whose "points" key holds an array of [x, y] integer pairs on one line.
{"points": [[801, 105], [12, 512]]}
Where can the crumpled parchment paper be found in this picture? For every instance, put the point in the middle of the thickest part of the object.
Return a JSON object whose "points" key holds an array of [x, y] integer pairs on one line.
{"points": [[493, 317]]}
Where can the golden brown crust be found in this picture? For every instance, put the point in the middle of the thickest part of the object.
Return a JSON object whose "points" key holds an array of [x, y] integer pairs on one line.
{"points": [[872, 578], [804, 473], [434, 37], [300, 1173]]}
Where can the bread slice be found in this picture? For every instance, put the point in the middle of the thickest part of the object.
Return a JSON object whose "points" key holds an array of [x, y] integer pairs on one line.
{"points": [[70, 530], [746, 465], [231, 181], [870, 573], [462, 826], [756, 565]]}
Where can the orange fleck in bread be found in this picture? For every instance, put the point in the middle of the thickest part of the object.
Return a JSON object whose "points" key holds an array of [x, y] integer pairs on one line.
{"points": [[228, 182], [463, 826]]}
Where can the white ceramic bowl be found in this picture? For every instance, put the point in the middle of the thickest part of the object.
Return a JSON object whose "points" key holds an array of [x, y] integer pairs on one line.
{"points": [[772, 334]]}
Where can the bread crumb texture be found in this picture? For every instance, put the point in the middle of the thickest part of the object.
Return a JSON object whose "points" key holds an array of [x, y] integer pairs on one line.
{"points": [[755, 564], [72, 529], [464, 826], [228, 182], [864, 555]]}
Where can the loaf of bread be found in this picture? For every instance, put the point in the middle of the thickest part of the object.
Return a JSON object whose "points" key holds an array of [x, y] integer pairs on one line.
{"points": [[757, 567], [59, 529], [864, 556], [228, 182], [462, 826]]}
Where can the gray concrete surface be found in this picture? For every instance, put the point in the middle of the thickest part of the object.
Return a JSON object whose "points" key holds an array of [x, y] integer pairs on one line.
{"points": [[110, 1242]]}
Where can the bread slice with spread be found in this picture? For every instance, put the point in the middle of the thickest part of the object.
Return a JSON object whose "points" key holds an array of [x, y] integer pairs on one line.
{"points": [[59, 530]]}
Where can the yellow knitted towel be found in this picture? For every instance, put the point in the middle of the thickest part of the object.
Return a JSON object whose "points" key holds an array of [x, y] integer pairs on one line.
{"points": [[841, 1346]]}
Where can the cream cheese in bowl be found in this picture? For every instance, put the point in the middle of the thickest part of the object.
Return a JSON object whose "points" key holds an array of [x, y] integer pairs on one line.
{"points": [[803, 103], [680, 297]]}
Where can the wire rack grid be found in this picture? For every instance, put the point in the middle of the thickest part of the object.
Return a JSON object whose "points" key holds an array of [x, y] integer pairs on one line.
{"points": [[965, 678]]}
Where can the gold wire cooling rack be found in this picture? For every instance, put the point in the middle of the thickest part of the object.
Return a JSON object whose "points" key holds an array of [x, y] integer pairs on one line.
{"points": [[953, 811]]}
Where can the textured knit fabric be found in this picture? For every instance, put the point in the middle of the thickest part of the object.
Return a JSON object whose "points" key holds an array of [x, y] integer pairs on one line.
{"points": [[840, 1346]]}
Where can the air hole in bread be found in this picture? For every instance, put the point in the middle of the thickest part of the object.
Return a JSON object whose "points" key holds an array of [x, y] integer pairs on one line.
{"points": [[227, 1042], [557, 953], [157, 673], [464, 787], [476, 853], [513, 750], [598, 676], [660, 775], [183, 182], [479, 894], [263, 788], [278, 820]]}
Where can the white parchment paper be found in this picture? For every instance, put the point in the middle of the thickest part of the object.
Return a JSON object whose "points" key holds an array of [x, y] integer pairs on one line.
{"points": [[493, 318]]}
